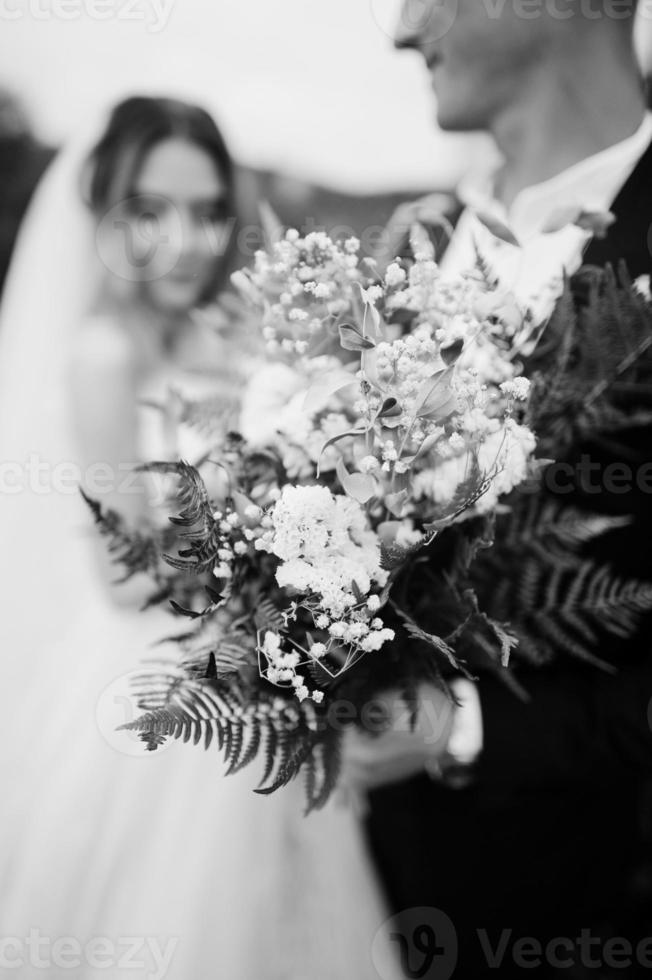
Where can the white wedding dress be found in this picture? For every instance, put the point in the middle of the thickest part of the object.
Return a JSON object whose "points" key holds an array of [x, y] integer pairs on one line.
{"points": [[157, 860]]}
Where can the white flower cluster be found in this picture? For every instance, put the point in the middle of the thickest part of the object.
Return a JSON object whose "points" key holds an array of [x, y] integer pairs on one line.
{"points": [[426, 402], [273, 415], [427, 414], [302, 284], [229, 528], [325, 545], [462, 307], [462, 321], [404, 365], [282, 665], [330, 559], [502, 458], [237, 532], [518, 389]]}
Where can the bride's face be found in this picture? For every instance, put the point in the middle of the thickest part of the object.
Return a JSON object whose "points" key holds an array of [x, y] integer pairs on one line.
{"points": [[480, 54], [174, 226]]}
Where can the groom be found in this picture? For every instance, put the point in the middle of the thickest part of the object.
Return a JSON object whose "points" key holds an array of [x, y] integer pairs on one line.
{"points": [[528, 848]]}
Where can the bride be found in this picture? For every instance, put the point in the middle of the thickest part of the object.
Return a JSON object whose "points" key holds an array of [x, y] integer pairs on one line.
{"points": [[146, 865]]}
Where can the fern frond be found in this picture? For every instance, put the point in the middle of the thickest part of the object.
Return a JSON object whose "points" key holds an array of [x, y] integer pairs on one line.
{"points": [[597, 346], [437, 643], [195, 522], [538, 519], [268, 616], [138, 552], [178, 705], [557, 600]]}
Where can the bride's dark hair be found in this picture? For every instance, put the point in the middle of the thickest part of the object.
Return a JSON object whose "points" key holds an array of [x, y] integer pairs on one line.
{"points": [[135, 126]]}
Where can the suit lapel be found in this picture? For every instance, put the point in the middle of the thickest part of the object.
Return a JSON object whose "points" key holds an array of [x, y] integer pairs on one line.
{"points": [[630, 236]]}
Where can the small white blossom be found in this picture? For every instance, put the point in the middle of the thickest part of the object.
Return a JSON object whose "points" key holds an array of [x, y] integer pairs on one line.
{"points": [[374, 641], [395, 275], [390, 454], [297, 315], [368, 464], [518, 388], [456, 442], [222, 571], [338, 630]]}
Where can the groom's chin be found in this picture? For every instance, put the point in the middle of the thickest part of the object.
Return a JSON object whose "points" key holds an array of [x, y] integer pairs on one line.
{"points": [[457, 118], [458, 105]]}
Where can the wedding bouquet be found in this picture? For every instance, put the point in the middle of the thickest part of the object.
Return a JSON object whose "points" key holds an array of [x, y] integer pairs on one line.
{"points": [[384, 409], [387, 414], [382, 438]]}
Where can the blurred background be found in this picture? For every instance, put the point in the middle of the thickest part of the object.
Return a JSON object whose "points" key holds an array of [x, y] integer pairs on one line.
{"points": [[314, 90], [315, 104]]}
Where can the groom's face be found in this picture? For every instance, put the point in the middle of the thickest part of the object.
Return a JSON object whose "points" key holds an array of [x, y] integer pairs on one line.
{"points": [[479, 53]]}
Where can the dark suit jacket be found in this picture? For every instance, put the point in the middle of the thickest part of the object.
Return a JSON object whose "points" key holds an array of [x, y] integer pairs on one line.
{"points": [[543, 840]]}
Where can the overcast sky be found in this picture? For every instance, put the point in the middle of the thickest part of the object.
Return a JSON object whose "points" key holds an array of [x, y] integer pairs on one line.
{"points": [[310, 86]]}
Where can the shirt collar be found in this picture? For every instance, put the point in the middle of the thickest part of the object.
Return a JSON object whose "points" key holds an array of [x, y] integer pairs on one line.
{"points": [[591, 184]]}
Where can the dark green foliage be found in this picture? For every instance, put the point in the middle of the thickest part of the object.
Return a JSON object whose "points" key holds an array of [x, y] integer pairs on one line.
{"points": [[592, 370], [557, 600], [284, 735], [592, 373], [138, 552], [195, 522]]}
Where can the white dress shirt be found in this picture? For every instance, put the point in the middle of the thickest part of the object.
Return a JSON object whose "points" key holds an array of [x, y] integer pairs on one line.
{"points": [[590, 185]]}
